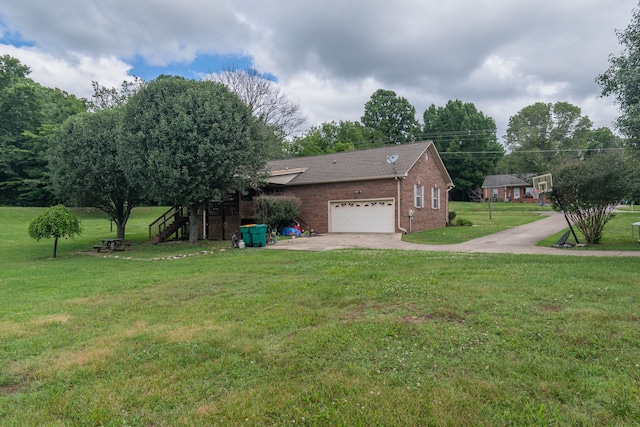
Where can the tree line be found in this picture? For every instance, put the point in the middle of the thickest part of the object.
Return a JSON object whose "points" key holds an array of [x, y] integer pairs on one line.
{"points": [[539, 137], [174, 140]]}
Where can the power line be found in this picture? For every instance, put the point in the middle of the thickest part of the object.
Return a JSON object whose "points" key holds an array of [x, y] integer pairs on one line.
{"points": [[568, 150]]}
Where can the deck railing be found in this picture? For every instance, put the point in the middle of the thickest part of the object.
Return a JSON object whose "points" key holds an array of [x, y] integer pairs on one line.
{"points": [[164, 221]]}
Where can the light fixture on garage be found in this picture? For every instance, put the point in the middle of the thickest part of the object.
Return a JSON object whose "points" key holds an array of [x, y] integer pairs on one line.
{"points": [[392, 159]]}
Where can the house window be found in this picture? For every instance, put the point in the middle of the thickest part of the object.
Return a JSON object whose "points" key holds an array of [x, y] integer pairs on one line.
{"points": [[516, 193], [435, 198], [418, 196]]}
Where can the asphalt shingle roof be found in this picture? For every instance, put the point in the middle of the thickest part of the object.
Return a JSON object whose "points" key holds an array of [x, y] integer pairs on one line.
{"points": [[504, 181], [353, 165]]}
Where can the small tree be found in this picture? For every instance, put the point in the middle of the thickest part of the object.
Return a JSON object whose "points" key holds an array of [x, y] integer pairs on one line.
{"points": [[276, 211], [56, 222], [590, 189]]}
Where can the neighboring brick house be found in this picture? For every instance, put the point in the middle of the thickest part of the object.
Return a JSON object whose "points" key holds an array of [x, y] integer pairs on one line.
{"points": [[392, 189], [509, 188]]}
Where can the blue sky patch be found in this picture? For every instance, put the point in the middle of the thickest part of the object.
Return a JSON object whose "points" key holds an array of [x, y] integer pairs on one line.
{"points": [[13, 38], [201, 65]]}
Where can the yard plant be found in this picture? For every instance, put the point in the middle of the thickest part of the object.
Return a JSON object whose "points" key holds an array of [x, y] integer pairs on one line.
{"points": [[168, 335]]}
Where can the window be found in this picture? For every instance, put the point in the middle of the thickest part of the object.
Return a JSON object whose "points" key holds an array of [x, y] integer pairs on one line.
{"points": [[516, 193], [418, 196], [435, 198]]}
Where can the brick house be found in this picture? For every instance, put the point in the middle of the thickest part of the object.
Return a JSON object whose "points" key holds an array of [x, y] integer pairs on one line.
{"points": [[393, 189], [509, 188]]}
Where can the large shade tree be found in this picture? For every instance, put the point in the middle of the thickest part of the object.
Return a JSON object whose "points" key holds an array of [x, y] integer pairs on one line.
{"points": [[332, 137], [190, 142], [622, 80], [467, 142], [29, 114], [543, 135], [392, 115], [85, 166]]}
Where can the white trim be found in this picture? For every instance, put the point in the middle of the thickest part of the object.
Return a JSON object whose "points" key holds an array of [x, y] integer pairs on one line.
{"points": [[435, 198], [418, 196]]}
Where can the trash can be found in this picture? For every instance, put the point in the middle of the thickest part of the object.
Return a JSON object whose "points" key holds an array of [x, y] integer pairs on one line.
{"points": [[246, 234], [259, 235]]}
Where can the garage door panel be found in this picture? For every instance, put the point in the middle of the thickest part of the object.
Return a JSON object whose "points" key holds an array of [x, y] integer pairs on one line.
{"points": [[357, 216]]}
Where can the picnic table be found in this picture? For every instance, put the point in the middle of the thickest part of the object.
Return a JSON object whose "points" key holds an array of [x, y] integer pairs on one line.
{"points": [[110, 245]]}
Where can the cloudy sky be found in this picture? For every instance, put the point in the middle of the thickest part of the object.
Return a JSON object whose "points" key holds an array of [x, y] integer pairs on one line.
{"points": [[330, 56]]}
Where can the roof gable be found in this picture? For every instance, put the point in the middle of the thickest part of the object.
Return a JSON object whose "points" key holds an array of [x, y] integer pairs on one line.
{"points": [[355, 165]]}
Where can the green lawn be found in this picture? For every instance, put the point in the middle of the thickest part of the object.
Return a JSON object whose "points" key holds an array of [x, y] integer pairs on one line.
{"points": [[501, 217], [616, 236], [351, 337]]}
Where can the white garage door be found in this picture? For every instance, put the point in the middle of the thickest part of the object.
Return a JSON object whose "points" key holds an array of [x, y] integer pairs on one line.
{"points": [[357, 216]]}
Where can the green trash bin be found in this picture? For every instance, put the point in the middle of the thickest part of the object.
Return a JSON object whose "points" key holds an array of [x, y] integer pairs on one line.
{"points": [[259, 235], [246, 234]]}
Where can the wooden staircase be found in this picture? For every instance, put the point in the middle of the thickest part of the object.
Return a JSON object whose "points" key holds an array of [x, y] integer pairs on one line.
{"points": [[173, 221]]}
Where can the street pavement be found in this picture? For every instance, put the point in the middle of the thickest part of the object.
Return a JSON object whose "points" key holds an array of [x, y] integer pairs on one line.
{"points": [[517, 240]]}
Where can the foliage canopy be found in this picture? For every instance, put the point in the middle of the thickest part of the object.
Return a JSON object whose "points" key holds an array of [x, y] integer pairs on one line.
{"points": [[543, 135], [57, 222], [189, 142], [85, 166], [622, 80], [392, 115], [589, 190], [466, 140], [29, 114], [276, 211]]}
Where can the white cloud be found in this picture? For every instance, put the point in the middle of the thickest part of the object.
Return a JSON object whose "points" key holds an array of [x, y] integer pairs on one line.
{"points": [[72, 74], [499, 54]]}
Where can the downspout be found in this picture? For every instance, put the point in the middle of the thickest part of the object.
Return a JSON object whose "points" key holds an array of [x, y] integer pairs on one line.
{"points": [[204, 222], [399, 205]]}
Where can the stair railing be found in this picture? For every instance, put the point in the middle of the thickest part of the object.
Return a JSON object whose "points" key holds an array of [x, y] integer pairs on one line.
{"points": [[164, 221]]}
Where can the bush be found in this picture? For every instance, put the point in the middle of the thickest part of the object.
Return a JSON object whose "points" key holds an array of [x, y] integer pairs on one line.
{"points": [[276, 211], [461, 222], [452, 216]]}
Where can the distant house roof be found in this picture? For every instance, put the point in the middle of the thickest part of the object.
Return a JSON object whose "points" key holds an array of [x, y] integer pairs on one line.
{"points": [[352, 165], [492, 181]]}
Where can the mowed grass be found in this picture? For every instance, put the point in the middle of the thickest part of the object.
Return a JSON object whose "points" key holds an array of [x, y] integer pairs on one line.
{"points": [[484, 220], [352, 337], [617, 235]]}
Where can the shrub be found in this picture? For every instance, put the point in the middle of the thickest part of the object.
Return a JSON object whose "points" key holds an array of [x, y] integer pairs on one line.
{"points": [[461, 222], [452, 216], [276, 211]]}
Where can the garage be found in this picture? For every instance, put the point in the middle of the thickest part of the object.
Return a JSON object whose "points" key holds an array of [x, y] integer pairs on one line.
{"points": [[362, 216]]}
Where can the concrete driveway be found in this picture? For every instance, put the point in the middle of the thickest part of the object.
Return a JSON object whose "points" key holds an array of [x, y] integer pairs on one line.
{"points": [[517, 240]]}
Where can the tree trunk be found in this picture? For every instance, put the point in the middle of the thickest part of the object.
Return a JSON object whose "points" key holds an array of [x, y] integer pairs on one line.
{"points": [[120, 230], [55, 247], [194, 224]]}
